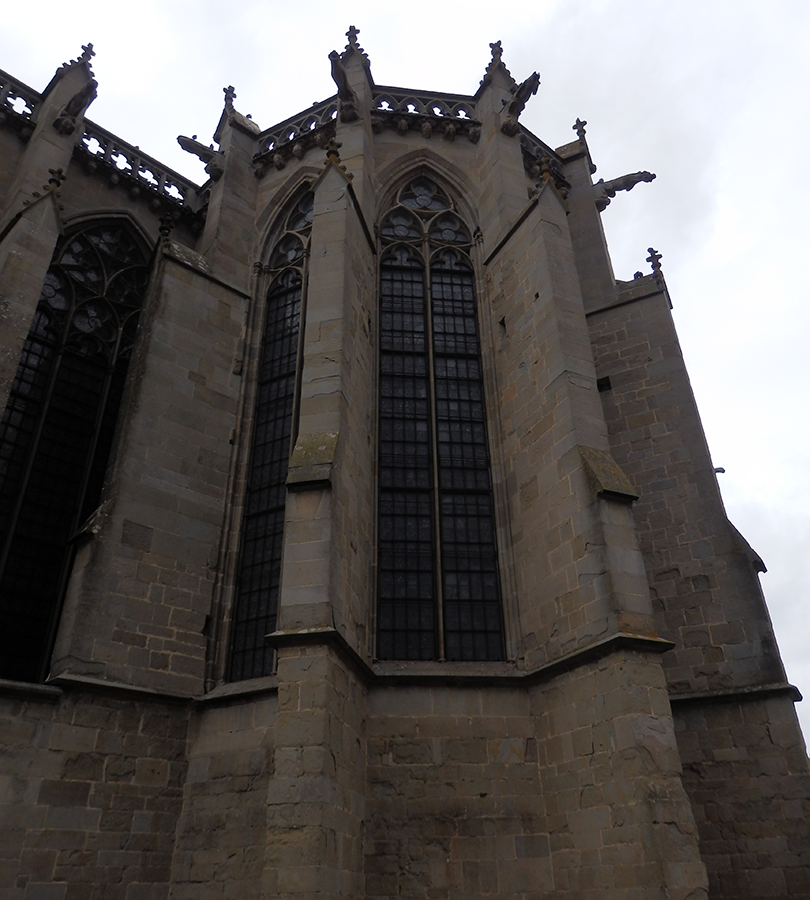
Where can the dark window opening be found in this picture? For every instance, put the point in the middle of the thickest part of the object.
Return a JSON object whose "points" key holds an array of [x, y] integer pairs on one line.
{"points": [[57, 430]]}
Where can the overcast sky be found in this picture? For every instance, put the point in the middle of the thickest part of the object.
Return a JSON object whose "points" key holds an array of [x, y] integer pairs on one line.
{"points": [[711, 95]]}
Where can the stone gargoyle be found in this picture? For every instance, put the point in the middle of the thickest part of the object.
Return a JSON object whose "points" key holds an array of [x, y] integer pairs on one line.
{"points": [[214, 159], [604, 191]]}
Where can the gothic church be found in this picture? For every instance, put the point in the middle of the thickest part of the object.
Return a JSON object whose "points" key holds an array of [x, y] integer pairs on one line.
{"points": [[358, 533]]}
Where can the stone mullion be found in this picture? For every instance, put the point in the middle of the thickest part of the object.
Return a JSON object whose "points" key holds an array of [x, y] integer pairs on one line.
{"points": [[299, 366], [434, 447]]}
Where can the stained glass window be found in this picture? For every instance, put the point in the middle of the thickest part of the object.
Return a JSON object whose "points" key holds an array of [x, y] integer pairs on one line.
{"points": [[438, 586], [257, 589], [57, 430]]}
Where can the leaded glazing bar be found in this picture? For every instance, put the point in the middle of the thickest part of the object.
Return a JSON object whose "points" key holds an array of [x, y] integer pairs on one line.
{"points": [[262, 541], [438, 584], [263, 528]]}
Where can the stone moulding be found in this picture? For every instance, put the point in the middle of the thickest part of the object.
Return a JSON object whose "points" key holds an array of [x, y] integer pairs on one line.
{"points": [[429, 125], [26, 690], [465, 674], [311, 462], [734, 695], [609, 480], [433, 113], [632, 291]]}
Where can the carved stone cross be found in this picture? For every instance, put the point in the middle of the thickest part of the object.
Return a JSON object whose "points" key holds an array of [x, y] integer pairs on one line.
{"points": [[655, 260]]}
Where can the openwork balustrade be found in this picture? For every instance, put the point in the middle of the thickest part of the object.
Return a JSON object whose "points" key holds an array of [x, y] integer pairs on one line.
{"points": [[298, 126], [434, 113], [127, 162], [433, 103], [17, 100]]}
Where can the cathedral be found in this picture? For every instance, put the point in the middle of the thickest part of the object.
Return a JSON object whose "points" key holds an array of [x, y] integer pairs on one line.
{"points": [[358, 532]]}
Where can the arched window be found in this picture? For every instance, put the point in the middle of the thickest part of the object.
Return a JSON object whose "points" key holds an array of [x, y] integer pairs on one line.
{"points": [[257, 588], [438, 586], [57, 430]]}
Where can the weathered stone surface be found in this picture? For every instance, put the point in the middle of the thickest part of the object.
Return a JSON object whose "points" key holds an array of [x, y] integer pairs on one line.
{"points": [[559, 771]]}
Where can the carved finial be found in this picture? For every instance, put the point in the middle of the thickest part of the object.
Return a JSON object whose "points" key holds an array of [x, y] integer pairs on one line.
{"points": [[351, 34], [87, 53], [333, 151], [579, 127], [549, 172], [354, 45], [333, 156], [166, 226], [230, 96], [495, 63], [655, 260], [56, 179]]}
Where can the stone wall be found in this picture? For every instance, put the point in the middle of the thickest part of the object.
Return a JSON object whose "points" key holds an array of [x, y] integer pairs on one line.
{"points": [[570, 788], [705, 591], [220, 848], [455, 806], [745, 770], [91, 788], [142, 587]]}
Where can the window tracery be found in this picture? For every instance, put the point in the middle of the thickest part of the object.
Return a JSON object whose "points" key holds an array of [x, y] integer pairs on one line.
{"points": [[57, 430], [438, 584], [259, 571]]}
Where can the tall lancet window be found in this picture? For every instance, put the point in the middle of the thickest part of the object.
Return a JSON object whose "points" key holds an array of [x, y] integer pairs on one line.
{"points": [[57, 430], [438, 585], [257, 588]]}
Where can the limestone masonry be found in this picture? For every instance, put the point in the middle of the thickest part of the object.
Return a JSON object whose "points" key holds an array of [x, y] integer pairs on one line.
{"points": [[358, 532]]}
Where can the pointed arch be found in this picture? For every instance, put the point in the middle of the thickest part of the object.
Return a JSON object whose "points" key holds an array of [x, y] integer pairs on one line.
{"points": [[272, 433], [438, 591], [425, 161], [56, 434]]}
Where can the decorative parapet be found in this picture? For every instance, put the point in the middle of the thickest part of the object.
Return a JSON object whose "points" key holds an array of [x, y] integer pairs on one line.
{"points": [[298, 126], [102, 149], [296, 135], [534, 152], [129, 165], [17, 104], [448, 115], [431, 103]]}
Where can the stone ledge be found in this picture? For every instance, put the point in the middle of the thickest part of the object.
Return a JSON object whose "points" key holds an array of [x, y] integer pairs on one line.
{"points": [[239, 690], [632, 292], [479, 674], [311, 462], [25, 690], [732, 695], [608, 478], [194, 262], [71, 681], [330, 636]]}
